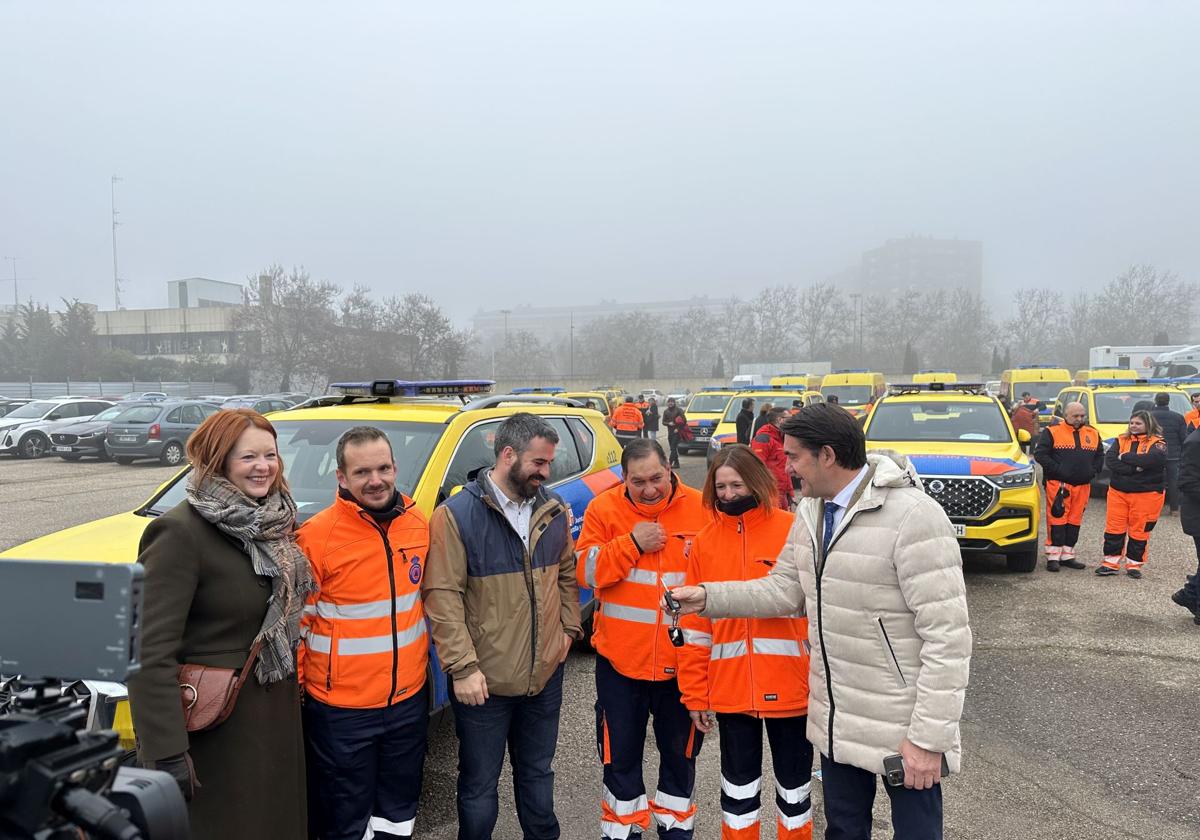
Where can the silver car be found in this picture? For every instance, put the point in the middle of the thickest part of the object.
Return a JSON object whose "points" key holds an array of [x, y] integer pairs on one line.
{"points": [[26, 430]]}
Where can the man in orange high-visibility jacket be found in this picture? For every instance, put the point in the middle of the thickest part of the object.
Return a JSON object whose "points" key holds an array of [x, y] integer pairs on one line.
{"points": [[627, 422], [364, 649], [635, 541], [1192, 418], [1071, 455]]}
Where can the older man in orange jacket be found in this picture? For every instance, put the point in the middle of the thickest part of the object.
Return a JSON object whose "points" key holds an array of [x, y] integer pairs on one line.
{"points": [[635, 541]]}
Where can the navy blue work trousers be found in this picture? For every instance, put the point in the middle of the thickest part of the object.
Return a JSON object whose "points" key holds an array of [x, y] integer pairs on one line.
{"points": [[365, 767]]}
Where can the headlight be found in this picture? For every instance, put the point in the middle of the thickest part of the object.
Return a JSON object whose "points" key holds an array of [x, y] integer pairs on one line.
{"points": [[1015, 478]]}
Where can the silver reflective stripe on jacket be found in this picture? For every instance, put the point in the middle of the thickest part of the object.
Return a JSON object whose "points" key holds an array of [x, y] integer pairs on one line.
{"points": [[367, 644], [370, 609], [641, 616]]}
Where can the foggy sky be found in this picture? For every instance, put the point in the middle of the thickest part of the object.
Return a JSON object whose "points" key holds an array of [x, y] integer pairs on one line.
{"points": [[496, 154]]}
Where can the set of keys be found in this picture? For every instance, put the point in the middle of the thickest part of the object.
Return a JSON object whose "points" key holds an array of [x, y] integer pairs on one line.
{"points": [[674, 632]]}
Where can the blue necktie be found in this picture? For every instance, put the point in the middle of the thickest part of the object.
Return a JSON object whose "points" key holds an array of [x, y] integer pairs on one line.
{"points": [[831, 509]]}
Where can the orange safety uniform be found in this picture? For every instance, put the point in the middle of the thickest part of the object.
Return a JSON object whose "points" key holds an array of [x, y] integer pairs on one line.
{"points": [[1070, 458], [749, 666], [1135, 497], [364, 643], [1192, 418], [627, 419], [637, 664]]}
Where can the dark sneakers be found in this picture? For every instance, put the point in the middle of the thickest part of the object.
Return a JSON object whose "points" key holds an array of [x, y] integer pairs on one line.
{"points": [[1136, 574], [1072, 564], [1052, 565], [1105, 571]]}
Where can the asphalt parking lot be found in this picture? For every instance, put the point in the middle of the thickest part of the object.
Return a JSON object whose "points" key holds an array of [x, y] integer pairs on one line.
{"points": [[1080, 722]]}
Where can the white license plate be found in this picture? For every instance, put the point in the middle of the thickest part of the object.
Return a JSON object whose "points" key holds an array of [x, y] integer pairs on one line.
{"points": [[126, 438], [62, 449], [959, 530]]}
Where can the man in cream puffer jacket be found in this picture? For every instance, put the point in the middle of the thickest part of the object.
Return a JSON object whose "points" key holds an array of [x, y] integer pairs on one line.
{"points": [[887, 617]]}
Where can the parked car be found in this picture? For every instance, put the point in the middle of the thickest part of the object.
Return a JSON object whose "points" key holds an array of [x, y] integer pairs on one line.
{"points": [[73, 441], [7, 404], [156, 430], [25, 431], [262, 405]]}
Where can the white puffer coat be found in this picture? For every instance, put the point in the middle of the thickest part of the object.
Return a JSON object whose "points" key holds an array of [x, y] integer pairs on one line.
{"points": [[887, 618]]}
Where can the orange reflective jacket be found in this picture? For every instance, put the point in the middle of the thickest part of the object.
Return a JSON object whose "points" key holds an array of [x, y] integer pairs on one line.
{"points": [[626, 418], [364, 644], [630, 628], [1192, 418], [755, 666]]}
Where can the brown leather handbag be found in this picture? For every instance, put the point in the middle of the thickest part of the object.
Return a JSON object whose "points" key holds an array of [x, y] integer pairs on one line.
{"points": [[209, 693]]}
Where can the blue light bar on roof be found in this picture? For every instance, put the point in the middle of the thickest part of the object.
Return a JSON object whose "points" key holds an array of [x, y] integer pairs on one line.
{"points": [[538, 390], [1120, 382], [413, 388]]}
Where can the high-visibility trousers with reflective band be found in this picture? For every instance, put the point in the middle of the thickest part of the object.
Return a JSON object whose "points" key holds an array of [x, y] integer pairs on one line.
{"points": [[1064, 530], [741, 775], [623, 708], [1127, 526]]}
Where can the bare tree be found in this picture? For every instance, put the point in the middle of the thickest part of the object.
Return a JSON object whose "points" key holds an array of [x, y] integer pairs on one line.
{"points": [[1035, 331], [821, 316], [1144, 301], [291, 318]]}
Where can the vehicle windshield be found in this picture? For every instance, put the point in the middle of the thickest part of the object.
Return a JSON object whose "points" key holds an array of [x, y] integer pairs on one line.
{"points": [[709, 403], [33, 410], [140, 414], [1163, 370], [939, 421], [1116, 406], [848, 394], [308, 451], [782, 399], [1045, 392]]}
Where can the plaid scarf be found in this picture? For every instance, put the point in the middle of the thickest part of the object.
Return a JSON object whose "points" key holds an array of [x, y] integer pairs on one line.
{"points": [[266, 529]]}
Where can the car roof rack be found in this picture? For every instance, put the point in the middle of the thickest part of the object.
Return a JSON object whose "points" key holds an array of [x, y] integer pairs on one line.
{"points": [[494, 400]]}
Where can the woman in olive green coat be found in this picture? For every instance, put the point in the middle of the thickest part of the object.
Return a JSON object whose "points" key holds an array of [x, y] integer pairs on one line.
{"points": [[223, 570]]}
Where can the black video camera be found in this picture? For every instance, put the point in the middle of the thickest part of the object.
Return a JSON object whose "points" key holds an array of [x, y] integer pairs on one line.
{"points": [[59, 778]]}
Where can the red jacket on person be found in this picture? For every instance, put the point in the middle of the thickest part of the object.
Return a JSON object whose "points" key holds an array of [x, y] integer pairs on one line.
{"points": [[768, 446]]}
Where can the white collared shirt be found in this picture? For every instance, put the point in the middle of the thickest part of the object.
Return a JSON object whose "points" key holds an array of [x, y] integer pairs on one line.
{"points": [[518, 514], [842, 499]]}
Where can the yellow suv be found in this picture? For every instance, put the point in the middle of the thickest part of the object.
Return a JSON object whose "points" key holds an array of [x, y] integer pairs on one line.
{"points": [[1109, 402], [781, 396], [442, 434], [704, 412], [971, 462]]}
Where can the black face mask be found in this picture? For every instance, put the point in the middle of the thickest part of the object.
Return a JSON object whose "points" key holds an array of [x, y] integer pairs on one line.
{"points": [[738, 506]]}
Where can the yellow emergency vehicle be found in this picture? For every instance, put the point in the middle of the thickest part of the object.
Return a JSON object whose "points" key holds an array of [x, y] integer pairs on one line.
{"points": [[704, 412], [808, 381], [1083, 377], [782, 396], [970, 459], [442, 434], [1109, 402], [856, 390], [1043, 382], [926, 376]]}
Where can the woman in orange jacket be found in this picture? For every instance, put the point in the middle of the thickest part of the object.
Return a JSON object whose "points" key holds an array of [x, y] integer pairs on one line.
{"points": [[749, 672]]}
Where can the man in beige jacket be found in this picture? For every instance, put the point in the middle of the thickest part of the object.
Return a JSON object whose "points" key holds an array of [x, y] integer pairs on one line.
{"points": [[876, 563]]}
